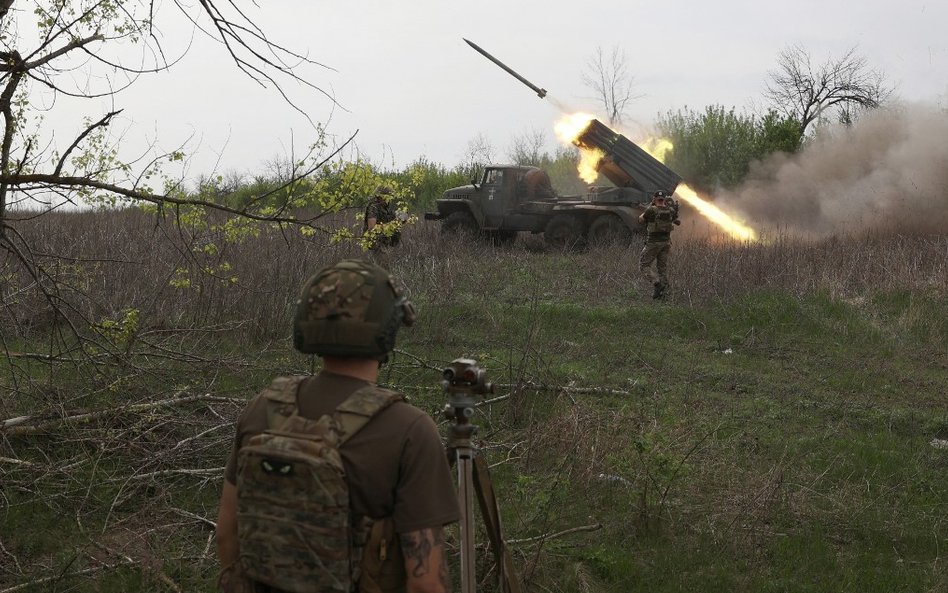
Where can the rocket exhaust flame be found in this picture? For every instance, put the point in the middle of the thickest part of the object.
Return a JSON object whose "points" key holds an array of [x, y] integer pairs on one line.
{"points": [[569, 127], [734, 229], [588, 165], [657, 147]]}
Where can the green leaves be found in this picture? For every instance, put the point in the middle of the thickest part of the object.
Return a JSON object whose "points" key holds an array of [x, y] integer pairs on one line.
{"points": [[716, 147], [120, 330]]}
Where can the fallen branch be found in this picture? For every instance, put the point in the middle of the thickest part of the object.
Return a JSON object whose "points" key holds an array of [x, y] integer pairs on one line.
{"points": [[12, 426], [196, 517], [16, 461], [201, 434], [209, 471], [546, 536], [565, 389], [57, 577], [534, 387], [37, 356]]}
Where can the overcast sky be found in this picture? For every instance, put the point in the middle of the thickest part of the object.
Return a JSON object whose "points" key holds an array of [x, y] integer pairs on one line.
{"points": [[411, 87]]}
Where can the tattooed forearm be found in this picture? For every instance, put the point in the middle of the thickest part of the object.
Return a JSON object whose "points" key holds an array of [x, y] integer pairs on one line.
{"points": [[424, 553], [443, 575], [417, 546]]}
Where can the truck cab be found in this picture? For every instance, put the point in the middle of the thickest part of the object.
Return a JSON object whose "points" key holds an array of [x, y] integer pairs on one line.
{"points": [[506, 198]]}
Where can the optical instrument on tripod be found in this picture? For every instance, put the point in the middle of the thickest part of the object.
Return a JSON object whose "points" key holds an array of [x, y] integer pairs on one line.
{"points": [[465, 382]]}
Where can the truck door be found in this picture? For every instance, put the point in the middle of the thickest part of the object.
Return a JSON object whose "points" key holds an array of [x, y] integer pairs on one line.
{"points": [[495, 188]]}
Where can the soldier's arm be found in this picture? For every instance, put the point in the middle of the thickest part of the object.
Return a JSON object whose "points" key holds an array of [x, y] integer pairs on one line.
{"points": [[371, 216], [228, 550], [425, 561]]}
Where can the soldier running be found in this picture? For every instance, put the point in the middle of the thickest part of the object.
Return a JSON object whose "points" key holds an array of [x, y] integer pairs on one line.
{"points": [[659, 218]]}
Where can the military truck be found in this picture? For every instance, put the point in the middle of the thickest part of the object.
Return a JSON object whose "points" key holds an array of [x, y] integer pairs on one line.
{"points": [[509, 198]]}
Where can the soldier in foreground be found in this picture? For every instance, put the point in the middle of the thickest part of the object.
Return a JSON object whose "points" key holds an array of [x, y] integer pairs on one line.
{"points": [[334, 483], [659, 220], [381, 209]]}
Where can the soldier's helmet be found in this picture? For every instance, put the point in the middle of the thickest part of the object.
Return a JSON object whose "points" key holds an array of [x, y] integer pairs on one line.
{"points": [[352, 309], [384, 190]]}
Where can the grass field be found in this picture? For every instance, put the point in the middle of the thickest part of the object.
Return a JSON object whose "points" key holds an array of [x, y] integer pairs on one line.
{"points": [[776, 425]]}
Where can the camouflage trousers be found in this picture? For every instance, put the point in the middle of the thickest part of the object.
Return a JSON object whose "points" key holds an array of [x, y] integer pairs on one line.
{"points": [[656, 252]]}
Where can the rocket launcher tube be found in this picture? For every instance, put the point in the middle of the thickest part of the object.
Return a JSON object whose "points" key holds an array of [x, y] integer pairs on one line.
{"points": [[625, 163]]}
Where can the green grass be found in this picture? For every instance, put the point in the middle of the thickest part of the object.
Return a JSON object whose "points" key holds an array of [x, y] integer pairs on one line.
{"points": [[767, 443]]}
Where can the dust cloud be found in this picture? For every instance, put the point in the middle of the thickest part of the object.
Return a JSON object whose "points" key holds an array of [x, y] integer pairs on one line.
{"points": [[888, 171]]}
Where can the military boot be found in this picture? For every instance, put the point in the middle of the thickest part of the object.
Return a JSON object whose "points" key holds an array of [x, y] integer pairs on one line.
{"points": [[659, 292]]}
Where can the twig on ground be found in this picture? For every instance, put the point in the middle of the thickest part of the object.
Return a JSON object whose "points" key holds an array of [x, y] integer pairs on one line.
{"points": [[56, 577], [556, 534], [196, 517], [12, 426], [201, 434], [210, 471]]}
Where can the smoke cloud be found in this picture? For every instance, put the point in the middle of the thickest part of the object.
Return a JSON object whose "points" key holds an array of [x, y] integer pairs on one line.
{"points": [[888, 171]]}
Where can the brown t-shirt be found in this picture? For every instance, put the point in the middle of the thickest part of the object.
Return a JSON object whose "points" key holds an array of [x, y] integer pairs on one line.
{"points": [[395, 466]]}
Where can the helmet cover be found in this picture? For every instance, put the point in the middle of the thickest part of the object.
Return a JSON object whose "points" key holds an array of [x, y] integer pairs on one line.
{"points": [[351, 309]]}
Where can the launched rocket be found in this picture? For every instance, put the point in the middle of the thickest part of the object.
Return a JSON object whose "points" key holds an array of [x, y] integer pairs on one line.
{"points": [[540, 92]]}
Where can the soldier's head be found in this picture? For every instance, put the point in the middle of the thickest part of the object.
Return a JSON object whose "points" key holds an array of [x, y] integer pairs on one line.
{"points": [[384, 191], [660, 198], [352, 309]]}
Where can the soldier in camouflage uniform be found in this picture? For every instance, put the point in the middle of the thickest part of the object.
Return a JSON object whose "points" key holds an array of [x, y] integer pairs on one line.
{"points": [[400, 491], [659, 218], [381, 209]]}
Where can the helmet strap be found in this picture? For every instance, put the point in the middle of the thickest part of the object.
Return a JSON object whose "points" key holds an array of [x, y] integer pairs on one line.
{"points": [[388, 366]]}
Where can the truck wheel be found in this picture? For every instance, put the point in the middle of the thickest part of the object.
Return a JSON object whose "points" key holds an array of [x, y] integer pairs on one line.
{"points": [[458, 224], [501, 238], [564, 230], [609, 229]]}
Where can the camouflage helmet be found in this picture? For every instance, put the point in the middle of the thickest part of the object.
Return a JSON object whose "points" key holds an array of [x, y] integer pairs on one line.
{"points": [[351, 309], [384, 190]]}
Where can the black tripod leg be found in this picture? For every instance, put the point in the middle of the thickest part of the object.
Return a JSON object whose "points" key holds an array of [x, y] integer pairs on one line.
{"points": [[490, 511]]}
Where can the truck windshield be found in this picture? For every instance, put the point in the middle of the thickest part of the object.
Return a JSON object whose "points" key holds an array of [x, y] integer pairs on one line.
{"points": [[494, 176]]}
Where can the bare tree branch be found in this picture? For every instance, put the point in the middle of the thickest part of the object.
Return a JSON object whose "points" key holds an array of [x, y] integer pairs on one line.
{"points": [[74, 44], [612, 82], [800, 90], [99, 124]]}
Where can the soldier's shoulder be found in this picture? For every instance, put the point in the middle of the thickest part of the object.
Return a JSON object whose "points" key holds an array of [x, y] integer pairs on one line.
{"points": [[402, 407]]}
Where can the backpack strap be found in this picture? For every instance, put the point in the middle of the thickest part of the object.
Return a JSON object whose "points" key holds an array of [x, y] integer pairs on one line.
{"points": [[360, 407], [281, 400]]}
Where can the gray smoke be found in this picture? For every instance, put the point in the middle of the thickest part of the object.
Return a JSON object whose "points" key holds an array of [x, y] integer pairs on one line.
{"points": [[887, 171]]}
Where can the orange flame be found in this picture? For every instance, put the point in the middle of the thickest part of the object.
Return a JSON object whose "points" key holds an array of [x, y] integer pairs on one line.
{"points": [[567, 129], [589, 164], [734, 228], [657, 147]]}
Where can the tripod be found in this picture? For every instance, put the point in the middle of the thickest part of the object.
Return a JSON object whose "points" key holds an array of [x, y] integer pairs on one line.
{"points": [[463, 380]]}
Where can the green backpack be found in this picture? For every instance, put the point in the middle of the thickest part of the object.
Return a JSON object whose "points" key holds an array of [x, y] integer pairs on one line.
{"points": [[294, 525]]}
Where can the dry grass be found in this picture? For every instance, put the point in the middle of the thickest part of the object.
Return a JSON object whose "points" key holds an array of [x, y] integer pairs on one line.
{"points": [[108, 262]]}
